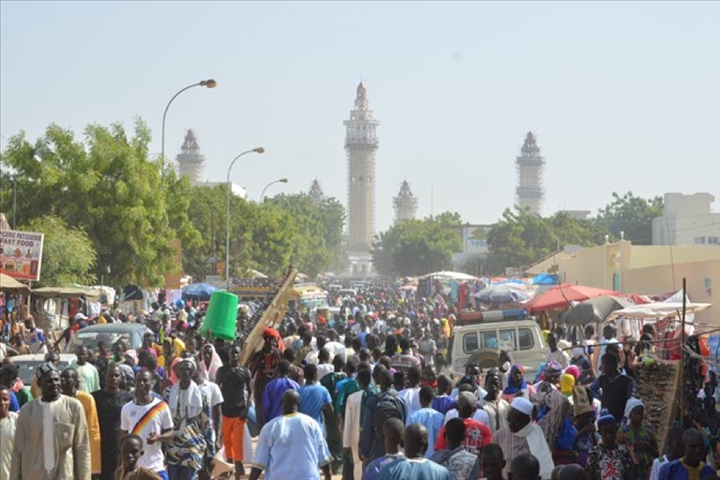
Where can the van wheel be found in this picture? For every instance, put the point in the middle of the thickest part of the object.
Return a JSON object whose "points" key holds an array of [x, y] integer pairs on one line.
{"points": [[485, 360]]}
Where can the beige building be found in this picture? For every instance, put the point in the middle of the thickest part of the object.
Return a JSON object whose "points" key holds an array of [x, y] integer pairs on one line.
{"points": [[645, 270], [687, 220]]}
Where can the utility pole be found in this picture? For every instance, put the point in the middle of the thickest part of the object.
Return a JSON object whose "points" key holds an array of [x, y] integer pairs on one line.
{"points": [[14, 201]]}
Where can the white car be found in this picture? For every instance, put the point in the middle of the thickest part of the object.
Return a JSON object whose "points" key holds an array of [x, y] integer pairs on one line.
{"points": [[28, 363]]}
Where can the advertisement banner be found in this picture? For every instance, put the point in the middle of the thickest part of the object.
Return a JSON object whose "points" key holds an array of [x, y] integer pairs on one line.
{"points": [[475, 239], [21, 254]]}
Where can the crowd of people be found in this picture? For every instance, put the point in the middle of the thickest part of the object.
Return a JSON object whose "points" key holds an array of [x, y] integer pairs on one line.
{"points": [[367, 395]]}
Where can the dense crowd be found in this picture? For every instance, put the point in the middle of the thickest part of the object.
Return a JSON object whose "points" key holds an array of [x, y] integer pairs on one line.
{"points": [[366, 394]]}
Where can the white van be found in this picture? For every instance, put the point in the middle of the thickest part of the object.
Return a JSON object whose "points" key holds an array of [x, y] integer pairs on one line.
{"points": [[480, 343]]}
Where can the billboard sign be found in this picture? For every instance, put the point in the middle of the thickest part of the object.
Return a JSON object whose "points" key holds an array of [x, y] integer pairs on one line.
{"points": [[475, 239], [21, 254]]}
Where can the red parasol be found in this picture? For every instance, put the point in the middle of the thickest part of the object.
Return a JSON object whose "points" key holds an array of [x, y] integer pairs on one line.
{"points": [[562, 295]]}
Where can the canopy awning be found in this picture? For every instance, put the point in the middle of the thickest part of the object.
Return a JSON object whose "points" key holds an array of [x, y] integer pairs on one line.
{"points": [[449, 275], [9, 283], [67, 292], [658, 310]]}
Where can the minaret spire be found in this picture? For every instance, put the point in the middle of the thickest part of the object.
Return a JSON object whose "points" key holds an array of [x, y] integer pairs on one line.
{"points": [[361, 143]]}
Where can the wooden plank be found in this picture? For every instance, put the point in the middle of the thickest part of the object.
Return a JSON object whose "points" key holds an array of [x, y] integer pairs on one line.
{"points": [[271, 317]]}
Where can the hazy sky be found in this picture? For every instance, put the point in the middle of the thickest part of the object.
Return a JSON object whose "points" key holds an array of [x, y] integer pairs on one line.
{"points": [[622, 96]]}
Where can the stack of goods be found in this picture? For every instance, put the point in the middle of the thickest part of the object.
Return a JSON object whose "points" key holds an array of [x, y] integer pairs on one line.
{"points": [[657, 386]]}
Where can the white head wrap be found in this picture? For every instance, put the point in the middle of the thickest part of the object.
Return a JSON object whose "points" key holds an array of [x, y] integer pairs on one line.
{"points": [[631, 405]]}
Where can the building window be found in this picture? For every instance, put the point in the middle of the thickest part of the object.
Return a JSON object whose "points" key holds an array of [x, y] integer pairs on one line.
{"points": [[699, 240], [713, 240]]}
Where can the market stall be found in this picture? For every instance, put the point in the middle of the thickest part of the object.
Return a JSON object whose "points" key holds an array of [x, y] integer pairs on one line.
{"points": [[53, 306]]}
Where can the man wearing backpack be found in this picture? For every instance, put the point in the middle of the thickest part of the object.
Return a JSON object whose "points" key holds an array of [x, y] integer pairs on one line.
{"points": [[380, 407]]}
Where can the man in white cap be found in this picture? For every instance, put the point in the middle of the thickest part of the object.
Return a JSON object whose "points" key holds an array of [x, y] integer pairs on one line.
{"points": [[523, 436]]}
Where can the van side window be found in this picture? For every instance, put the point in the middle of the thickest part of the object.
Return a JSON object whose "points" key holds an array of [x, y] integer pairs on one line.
{"points": [[507, 340], [470, 342], [525, 339], [490, 340]]}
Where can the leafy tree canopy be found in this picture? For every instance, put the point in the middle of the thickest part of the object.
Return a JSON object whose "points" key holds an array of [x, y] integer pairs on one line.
{"points": [[631, 215], [106, 186], [68, 253], [521, 238], [415, 247]]}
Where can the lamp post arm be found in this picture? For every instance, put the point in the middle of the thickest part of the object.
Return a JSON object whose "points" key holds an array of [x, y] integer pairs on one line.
{"points": [[262, 195], [162, 142], [227, 219]]}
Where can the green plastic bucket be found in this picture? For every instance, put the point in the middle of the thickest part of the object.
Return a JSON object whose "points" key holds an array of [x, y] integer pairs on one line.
{"points": [[221, 316]]}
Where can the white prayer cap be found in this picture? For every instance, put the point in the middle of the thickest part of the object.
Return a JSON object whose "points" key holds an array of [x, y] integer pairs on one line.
{"points": [[522, 405]]}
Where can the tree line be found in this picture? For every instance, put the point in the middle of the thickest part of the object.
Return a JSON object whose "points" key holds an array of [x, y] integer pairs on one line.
{"points": [[517, 240], [107, 213]]}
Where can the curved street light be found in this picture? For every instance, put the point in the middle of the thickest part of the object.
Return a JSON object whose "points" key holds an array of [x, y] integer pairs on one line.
{"points": [[227, 219], [262, 195], [209, 83]]}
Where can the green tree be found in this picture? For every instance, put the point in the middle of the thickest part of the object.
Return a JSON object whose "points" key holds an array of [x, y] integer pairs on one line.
{"points": [[521, 238], [263, 237], [108, 187], [319, 242], [415, 247], [68, 253], [631, 215]]}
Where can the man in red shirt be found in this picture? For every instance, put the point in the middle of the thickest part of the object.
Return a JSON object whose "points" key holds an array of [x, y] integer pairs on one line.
{"points": [[477, 434]]}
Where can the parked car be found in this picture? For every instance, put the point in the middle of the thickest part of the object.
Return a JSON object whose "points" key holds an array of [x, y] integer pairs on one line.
{"points": [[109, 333], [28, 363], [480, 343]]}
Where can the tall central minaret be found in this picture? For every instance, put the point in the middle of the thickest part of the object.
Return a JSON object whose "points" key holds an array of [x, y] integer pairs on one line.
{"points": [[530, 167], [361, 144]]}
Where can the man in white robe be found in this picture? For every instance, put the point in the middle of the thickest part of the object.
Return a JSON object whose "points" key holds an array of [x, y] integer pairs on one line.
{"points": [[351, 428], [51, 438]]}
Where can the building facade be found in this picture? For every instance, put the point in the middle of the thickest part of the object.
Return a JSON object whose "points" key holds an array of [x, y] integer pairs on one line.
{"points": [[405, 203], [361, 143], [530, 166], [687, 220], [190, 160], [643, 269]]}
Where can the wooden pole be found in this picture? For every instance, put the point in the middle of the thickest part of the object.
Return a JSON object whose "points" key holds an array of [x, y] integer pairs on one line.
{"points": [[682, 352]]}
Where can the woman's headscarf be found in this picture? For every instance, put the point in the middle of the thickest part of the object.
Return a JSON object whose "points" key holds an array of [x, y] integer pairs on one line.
{"points": [[631, 405], [445, 327], [574, 371], [513, 389], [208, 373], [172, 375], [567, 382], [272, 333]]}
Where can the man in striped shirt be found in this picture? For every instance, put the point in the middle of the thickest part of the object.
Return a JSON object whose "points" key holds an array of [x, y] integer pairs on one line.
{"points": [[402, 361]]}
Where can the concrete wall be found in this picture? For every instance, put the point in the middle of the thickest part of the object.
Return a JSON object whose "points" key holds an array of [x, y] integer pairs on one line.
{"points": [[648, 270]]}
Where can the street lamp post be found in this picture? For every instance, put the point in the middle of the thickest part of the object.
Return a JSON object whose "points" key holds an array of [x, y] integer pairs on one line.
{"points": [[209, 83], [227, 219], [262, 195]]}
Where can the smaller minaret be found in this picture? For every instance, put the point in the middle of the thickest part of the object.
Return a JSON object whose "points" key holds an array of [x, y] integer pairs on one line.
{"points": [[530, 167], [405, 203], [190, 160], [316, 194]]}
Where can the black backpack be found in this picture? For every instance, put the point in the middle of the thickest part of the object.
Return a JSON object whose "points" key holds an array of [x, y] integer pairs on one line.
{"points": [[389, 405]]}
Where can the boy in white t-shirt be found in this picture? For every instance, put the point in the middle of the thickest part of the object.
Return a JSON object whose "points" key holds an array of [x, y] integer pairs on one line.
{"points": [[149, 418]]}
